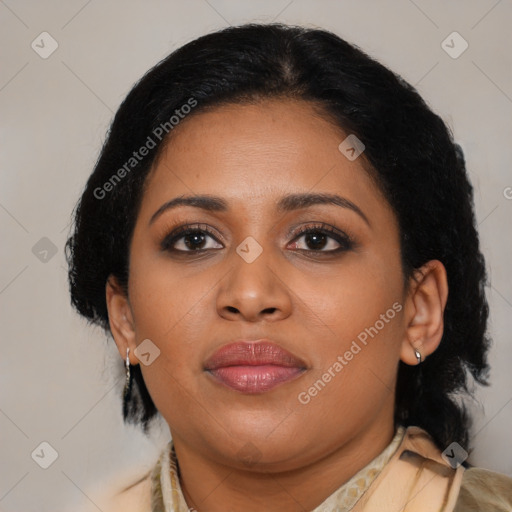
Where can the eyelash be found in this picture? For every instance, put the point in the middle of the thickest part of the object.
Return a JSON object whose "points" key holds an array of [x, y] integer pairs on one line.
{"points": [[346, 242]]}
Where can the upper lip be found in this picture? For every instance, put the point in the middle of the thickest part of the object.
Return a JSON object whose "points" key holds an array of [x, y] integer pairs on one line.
{"points": [[252, 353]]}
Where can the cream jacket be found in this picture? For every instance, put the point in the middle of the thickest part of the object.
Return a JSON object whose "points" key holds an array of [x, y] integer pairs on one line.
{"points": [[414, 478]]}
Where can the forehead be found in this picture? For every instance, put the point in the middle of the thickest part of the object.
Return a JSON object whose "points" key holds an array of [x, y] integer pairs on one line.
{"points": [[253, 154]]}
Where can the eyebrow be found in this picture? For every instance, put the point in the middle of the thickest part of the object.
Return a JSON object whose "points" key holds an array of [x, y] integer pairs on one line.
{"points": [[287, 203]]}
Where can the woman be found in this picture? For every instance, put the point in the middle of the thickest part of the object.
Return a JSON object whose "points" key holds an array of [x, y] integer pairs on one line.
{"points": [[279, 234]]}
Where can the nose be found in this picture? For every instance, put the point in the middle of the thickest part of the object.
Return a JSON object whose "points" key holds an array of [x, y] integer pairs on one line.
{"points": [[254, 291]]}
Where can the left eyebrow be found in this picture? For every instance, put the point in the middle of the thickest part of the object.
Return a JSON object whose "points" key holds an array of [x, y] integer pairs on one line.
{"points": [[285, 204], [299, 201]]}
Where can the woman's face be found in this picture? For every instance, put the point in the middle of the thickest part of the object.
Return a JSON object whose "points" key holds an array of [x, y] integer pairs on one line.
{"points": [[335, 305]]}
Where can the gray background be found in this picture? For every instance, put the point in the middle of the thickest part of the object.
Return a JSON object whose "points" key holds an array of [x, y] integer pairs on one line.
{"points": [[61, 380]]}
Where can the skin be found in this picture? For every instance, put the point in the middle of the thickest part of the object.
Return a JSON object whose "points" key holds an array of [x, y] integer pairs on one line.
{"points": [[314, 305]]}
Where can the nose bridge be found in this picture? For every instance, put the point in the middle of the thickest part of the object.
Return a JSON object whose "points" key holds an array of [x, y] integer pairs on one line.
{"points": [[251, 267], [252, 287]]}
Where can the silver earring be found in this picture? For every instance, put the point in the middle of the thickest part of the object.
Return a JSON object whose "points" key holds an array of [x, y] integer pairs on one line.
{"points": [[418, 355], [127, 387], [127, 365]]}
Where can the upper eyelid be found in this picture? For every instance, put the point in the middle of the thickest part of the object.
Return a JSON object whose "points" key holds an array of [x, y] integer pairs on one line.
{"points": [[293, 231]]}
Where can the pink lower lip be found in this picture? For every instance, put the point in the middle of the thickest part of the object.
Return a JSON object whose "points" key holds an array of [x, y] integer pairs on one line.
{"points": [[255, 379]]}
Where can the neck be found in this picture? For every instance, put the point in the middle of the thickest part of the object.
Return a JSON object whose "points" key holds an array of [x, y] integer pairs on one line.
{"points": [[209, 486]]}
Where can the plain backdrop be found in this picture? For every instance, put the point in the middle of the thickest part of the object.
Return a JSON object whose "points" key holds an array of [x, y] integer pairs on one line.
{"points": [[61, 381]]}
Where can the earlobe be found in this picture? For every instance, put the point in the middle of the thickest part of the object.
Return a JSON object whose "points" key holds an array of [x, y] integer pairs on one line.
{"points": [[424, 313], [120, 317]]}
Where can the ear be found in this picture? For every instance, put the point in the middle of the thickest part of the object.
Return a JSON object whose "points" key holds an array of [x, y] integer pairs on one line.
{"points": [[424, 313], [120, 318]]}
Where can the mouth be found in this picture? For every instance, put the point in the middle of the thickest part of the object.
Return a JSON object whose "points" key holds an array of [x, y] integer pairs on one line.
{"points": [[253, 367]]}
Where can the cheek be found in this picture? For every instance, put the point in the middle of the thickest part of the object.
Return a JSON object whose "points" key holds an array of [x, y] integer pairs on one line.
{"points": [[362, 309], [168, 310], [356, 296], [166, 299]]}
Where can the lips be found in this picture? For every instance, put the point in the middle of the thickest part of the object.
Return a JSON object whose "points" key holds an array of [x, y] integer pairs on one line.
{"points": [[253, 366]]}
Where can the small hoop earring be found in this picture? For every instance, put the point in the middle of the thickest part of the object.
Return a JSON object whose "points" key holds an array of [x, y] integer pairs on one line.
{"points": [[127, 363], [418, 355], [128, 381]]}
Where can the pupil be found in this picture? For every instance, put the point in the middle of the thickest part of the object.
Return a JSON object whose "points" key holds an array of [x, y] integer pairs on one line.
{"points": [[194, 236], [315, 238]]}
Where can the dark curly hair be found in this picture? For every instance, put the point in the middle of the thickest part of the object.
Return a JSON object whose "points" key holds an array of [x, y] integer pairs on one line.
{"points": [[409, 151]]}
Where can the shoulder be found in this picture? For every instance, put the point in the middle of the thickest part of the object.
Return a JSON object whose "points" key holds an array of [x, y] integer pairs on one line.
{"points": [[133, 498], [482, 489], [135, 494]]}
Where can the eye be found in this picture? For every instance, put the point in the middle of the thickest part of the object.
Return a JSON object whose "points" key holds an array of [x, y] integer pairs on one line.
{"points": [[189, 239], [319, 238], [322, 238]]}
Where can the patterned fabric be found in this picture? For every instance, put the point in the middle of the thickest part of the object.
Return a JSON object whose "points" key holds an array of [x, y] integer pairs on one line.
{"points": [[167, 495]]}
